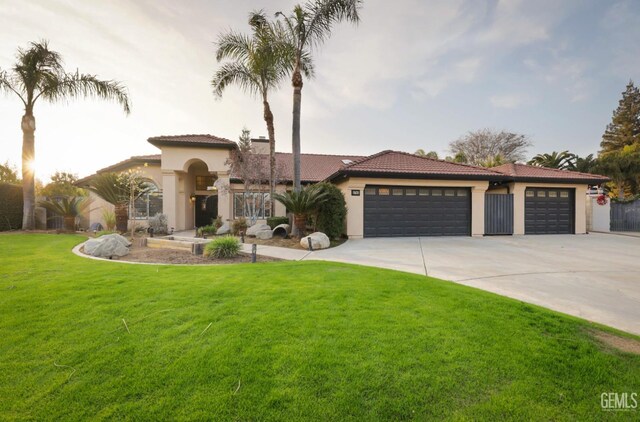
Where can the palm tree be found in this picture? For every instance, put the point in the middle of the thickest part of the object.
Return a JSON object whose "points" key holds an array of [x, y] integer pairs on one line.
{"points": [[583, 164], [301, 203], [557, 160], [68, 207], [257, 64], [39, 74], [120, 190], [308, 26]]}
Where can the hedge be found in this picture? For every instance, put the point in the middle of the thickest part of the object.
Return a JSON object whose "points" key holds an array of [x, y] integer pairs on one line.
{"points": [[332, 212], [10, 207]]}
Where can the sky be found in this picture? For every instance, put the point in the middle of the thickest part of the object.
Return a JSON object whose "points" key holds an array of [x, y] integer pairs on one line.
{"points": [[413, 74]]}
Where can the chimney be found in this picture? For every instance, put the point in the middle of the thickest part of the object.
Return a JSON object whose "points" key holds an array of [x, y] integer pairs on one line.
{"points": [[260, 145]]}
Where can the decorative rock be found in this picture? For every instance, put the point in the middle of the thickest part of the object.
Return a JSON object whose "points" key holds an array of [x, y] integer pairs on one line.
{"points": [[251, 231], [282, 230], [224, 229], [107, 246], [264, 234], [318, 240]]}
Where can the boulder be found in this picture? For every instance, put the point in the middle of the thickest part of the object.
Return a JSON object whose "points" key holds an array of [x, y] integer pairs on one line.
{"points": [[107, 246], [224, 229], [318, 240], [251, 231], [264, 234], [282, 230]]}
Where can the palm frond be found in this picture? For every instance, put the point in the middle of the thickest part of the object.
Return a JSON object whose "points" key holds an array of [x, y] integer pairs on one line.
{"points": [[77, 85], [7, 85], [304, 201], [234, 73], [66, 206], [234, 46], [323, 14]]}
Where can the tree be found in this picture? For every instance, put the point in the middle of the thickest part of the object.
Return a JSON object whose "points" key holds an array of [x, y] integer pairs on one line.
{"points": [[556, 160], [308, 26], [485, 145], [121, 190], [430, 154], [250, 167], [257, 64], [39, 74], [623, 167], [624, 129], [69, 208], [302, 203], [8, 173], [586, 164], [62, 184]]}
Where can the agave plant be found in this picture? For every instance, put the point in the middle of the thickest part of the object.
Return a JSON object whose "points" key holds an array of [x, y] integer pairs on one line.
{"points": [[301, 203], [67, 207]]}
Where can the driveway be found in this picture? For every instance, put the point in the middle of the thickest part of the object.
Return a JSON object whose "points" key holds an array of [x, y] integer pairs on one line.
{"points": [[595, 276]]}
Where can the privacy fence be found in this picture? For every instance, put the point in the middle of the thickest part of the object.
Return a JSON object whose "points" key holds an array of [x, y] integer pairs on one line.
{"points": [[625, 216]]}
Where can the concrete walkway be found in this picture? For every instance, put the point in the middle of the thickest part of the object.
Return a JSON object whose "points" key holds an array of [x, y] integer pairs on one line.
{"points": [[595, 276]]}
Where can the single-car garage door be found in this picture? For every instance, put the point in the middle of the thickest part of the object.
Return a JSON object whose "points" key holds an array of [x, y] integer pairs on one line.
{"points": [[549, 211], [416, 211]]}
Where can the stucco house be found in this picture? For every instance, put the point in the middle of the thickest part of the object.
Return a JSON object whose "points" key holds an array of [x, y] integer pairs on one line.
{"points": [[390, 193]]}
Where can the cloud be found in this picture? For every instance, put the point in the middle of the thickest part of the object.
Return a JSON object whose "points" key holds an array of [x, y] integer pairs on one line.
{"points": [[509, 101]]}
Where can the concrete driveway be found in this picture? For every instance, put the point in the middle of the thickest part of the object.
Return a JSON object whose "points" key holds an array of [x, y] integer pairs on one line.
{"points": [[595, 276]]}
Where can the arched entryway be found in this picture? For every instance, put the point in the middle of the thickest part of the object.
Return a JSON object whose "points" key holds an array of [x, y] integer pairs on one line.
{"points": [[202, 194]]}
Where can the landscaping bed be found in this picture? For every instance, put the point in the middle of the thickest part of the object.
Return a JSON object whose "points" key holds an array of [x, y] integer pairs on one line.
{"points": [[291, 243], [172, 256]]}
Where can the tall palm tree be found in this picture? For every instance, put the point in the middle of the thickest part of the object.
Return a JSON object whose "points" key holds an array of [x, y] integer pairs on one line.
{"points": [[257, 64], [583, 164], [38, 73], [308, 26], [557, 160]]}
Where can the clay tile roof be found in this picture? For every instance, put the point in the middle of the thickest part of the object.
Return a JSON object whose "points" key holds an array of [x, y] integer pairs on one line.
{"points": [[526, 172], [136, 159], [390, 163], [192, 140]]}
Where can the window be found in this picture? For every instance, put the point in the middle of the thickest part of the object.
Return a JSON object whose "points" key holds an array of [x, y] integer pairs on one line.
{"points": [[410, 192], [370, 191], [449, 192], [529, 193], [383, 191], [204, 182], [397, 192], [424, 192], [553, 194], [541, 194], [436, 192], [462, 192], [147, 205], [564, 194], [252, 204]]}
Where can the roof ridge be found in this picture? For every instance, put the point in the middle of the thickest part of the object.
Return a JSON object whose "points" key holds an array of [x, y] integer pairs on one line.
{"points": [[324, 155], [367, 158], [563, 171], [190, 135]]}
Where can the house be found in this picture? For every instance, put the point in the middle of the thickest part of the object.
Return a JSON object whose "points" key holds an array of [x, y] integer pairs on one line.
{"points": [[390, 193]]}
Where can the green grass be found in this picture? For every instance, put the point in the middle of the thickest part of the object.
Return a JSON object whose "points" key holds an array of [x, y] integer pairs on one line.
{"points": [[285, 341]]}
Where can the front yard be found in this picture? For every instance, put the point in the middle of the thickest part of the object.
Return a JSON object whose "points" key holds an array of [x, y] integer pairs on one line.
{"points": [[282, 341]]}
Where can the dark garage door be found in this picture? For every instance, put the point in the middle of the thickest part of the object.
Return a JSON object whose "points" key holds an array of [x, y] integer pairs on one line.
{"points": [[416, 211], [549, 211]]}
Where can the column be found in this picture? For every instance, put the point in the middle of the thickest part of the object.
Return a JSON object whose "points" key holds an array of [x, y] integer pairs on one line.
{"points": [[477, 210]]}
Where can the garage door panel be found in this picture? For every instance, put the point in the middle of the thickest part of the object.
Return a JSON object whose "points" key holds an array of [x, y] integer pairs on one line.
{"points": [[410, 211], [549, 211]]}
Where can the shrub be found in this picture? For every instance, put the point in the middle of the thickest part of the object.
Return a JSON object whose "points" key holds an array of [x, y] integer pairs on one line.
{"points": [[332, 211], [276, 221], [158, 223], [302, 204], [10, 206], [217, 223], [210, 229], [68, 207], [223, 247], [109, 218], [239, 225]]}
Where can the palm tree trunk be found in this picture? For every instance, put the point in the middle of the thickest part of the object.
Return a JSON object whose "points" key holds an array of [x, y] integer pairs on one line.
{"points": [[28, 177], [296, 81], [268, 118]]}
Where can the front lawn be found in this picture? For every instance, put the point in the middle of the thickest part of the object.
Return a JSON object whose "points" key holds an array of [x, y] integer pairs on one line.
{"points": [[282, 341]]}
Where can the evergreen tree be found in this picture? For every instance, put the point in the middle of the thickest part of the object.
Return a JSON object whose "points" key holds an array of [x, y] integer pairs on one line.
{"points": [[624, 129], [244, 141]]}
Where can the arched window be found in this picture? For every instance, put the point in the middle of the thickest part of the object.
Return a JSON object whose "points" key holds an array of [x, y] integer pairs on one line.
{"points": [[148, 204]]}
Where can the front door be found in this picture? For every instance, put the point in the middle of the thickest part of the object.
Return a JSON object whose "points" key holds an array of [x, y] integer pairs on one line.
{"points": [[206, 209]]}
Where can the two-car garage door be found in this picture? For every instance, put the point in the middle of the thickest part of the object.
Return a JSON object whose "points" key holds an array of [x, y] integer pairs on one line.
{"points": [[416, 211]]}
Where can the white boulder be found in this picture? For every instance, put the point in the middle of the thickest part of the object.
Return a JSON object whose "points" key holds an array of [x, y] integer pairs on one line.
{"points": [[264, 234], [107, 246], [318, 240], [251, 231], [224, 229]]}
